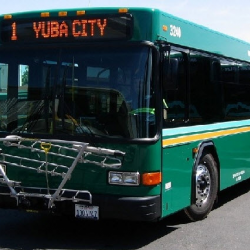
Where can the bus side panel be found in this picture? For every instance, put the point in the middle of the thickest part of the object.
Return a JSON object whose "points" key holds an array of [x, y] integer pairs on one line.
{"points": [[177, 165], [234, 156], [233, 150]]}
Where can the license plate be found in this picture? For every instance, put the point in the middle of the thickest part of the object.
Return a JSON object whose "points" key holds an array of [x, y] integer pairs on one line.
{"points": [[86, 212]]}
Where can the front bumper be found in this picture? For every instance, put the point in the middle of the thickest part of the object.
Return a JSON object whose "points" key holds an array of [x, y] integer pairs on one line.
{"points": [[110, 206], [129, 208]]}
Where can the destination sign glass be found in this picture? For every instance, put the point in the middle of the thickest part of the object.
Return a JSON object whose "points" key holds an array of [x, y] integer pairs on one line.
{"points": [[84, 28]]}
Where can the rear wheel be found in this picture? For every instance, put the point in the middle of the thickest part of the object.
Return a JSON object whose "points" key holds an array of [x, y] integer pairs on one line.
{"points": [[205, 188]]}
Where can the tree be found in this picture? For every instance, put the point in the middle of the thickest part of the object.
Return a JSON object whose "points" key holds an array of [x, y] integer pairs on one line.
{"points": [[25, 76]]}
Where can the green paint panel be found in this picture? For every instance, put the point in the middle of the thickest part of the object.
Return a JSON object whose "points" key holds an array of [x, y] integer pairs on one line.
{"points": [[234, 159], [177, 171]]}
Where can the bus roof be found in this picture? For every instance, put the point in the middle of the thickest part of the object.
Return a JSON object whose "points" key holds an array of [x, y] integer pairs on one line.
{"points": [[179, 31], [152, 25]]}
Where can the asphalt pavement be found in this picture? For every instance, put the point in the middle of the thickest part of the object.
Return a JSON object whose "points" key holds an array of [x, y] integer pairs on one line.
{"points": [[227, 227]]}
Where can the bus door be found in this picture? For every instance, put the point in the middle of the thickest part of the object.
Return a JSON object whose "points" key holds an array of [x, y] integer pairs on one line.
{"points": [[176, 162]]}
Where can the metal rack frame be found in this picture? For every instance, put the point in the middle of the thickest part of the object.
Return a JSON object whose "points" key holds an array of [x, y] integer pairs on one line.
{"points": [[52, 148]]}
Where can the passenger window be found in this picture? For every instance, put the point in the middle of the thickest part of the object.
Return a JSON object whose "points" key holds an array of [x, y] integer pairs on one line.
{"points": [[175, 94]]}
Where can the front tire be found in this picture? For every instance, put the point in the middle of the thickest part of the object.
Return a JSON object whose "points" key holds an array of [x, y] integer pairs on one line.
{"points": [[205, 188]]}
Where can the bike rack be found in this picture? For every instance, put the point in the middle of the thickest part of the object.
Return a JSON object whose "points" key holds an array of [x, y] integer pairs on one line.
{"points": [[30, 154]]}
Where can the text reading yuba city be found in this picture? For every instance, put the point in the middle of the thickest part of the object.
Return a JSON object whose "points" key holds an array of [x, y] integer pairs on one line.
{"points": [[56, 29]]}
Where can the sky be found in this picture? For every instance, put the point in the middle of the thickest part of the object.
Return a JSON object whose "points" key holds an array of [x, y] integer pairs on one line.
{"points": [[230, 17]]}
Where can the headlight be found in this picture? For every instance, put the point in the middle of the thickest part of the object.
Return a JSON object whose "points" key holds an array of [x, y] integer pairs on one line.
{"points": [[124, 178]]}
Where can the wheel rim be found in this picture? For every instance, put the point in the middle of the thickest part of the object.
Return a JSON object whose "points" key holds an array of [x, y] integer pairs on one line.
{"points": [[203, 183]]}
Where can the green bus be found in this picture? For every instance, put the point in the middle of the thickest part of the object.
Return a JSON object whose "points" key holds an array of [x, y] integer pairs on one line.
{"points": [[120, 113]]}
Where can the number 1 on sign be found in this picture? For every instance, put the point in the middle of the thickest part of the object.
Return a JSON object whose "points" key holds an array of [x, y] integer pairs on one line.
{"points": [[14, 36]]}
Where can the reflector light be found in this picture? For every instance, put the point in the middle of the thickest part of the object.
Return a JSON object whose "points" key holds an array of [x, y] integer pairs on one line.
{"points": [[80, 12], [45, 14], [195, 150], [62, 13], [164, 27], [7, 16], [124, 10]]}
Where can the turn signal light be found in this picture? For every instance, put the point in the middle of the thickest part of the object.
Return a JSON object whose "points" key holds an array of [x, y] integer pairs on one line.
{"points": [[150, 179]]}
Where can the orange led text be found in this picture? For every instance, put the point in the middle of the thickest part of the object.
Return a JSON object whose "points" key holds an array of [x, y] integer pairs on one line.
{"points": [[75, 28]]}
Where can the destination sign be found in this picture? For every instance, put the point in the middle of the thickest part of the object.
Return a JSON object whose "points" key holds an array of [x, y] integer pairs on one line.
{"points": [[67, 29]]}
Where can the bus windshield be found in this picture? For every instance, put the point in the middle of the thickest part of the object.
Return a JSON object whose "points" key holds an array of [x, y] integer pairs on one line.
{"points": [[91, 91]]}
